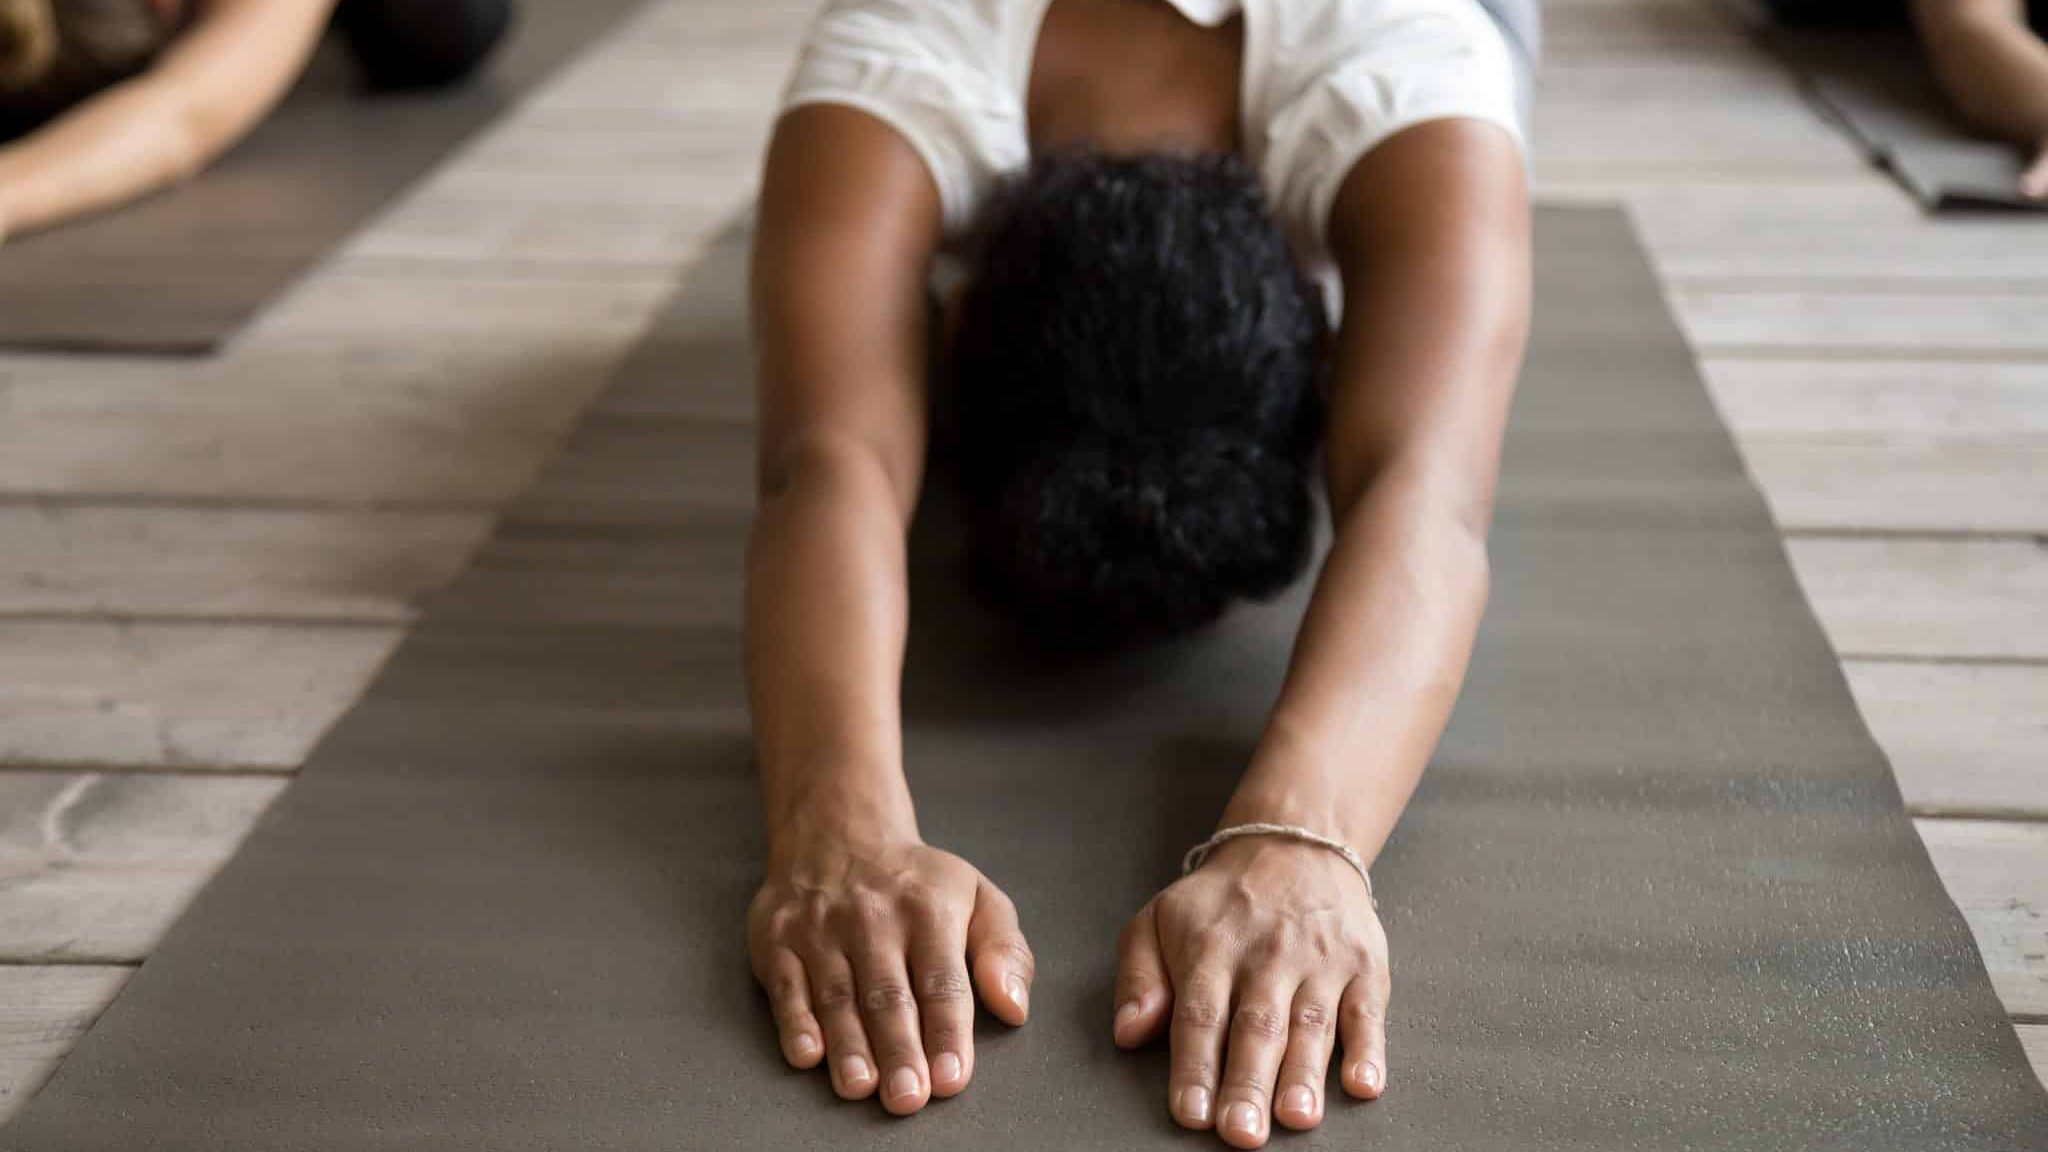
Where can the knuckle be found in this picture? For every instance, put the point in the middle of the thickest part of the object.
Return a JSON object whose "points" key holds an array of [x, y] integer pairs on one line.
{"points": [[870, 907], [1193, 1070], [1247, 1086], [1312, 1018], [948, 1034], [834, 995], [1197, 1012], [887, 996], [1303, 1071], [1261, 1021], [1361, 1012], [1014, 950], [943, 986]]}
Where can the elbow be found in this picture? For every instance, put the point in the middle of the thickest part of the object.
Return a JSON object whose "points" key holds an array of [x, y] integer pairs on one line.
{"points": [[832, 460]]}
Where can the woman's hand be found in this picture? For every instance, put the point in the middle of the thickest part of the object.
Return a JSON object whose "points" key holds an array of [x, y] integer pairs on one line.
{"points": [[865, 945], [2034, 181], [1260, 962]]}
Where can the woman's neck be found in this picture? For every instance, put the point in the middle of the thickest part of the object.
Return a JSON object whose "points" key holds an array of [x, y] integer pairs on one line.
{"points": [[1128, 76]]}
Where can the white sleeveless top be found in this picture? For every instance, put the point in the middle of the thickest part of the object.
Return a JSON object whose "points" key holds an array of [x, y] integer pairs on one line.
{"points": [[1323, 82]]}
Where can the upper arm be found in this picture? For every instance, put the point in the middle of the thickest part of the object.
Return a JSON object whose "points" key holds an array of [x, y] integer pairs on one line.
{"points": [[849, 221], [1430, 230], [233, 66]]}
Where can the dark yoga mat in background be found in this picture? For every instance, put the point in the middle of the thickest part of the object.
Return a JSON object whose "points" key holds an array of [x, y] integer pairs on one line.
{"points": [[1657, 890], [1877, 85], [181, 271]]}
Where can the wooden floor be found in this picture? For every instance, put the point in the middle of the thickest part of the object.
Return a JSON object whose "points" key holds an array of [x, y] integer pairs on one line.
{"points": [[206, 560]]}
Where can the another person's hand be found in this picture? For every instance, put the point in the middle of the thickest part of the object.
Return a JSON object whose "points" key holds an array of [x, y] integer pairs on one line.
{"points": [[2034, 181], [865, 948], [1259, 963]]}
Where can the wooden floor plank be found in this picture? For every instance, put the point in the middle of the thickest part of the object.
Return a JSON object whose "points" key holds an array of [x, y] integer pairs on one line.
{"points": [[1961, 324], [1928, 598], [97, 866], [1964, 739], [2034, 1038], [1903, 483], [1997, 872], [184, 695], [1885, 395], [226, 562], [43, 1012]]}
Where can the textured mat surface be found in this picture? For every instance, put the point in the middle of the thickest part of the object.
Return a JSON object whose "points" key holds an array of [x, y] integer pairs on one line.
{"points": [[1875, 83], [1657, 890], [181, 271]]}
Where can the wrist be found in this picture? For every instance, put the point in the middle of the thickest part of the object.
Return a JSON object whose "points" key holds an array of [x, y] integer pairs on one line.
{"points": [[846, 812]]}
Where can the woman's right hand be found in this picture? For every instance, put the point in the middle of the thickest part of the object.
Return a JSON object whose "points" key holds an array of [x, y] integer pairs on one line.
{"points": [[865, 945]]}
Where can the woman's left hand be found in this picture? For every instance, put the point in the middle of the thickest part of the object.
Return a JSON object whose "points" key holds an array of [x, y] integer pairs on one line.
{"points": [[1258, 963]]}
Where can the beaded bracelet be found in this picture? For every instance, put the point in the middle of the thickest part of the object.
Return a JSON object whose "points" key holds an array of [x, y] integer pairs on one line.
{"points": [[1199, 852]]}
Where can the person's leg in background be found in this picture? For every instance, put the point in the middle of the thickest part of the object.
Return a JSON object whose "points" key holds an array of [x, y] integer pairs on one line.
{"points": [[421, 43]]}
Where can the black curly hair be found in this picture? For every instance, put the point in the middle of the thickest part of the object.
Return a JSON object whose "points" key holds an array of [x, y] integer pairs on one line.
{"points": [[1136, 373]]}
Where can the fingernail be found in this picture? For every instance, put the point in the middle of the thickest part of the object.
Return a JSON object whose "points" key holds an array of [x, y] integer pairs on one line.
{"points": [[1014, 985], [1243, 1117], [1298, 1100], [1194, 1104], [805, 1046], [946, 1067], [1126, 1014], [902, 1083], [854, 1070], [1368, 1075]]}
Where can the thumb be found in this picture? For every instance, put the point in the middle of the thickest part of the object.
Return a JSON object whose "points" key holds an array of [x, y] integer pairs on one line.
{"points": [[1002, 962], [1143, 986]]}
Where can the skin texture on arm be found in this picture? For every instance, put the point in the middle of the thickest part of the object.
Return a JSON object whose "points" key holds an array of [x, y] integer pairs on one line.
{"points": [[204, 93], [1995, 69], [869, 942], [1268, 957]]}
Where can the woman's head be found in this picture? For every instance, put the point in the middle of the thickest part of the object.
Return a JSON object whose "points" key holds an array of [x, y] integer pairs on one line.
{"points": [[1136, 368], [54, 53]]}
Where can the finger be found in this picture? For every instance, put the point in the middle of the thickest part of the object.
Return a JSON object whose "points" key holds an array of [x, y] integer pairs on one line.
{"points": [[2034, 182], [1201, 1010], [1362, 1026], [1003, 964], [1143, 991], [1258, 1038], [945, 1002], [1305, 1068], [835, 1002], [789, 998], [888, 1011]]}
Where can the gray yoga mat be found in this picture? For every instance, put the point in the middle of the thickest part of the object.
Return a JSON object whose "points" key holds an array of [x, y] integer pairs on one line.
{"points": [[183, 270], [1877, 86], [1657, 890]]}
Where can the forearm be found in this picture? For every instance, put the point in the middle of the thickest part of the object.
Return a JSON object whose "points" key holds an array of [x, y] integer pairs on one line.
{"points": [[1993, 67], [826, 614], [1382, 651], [118, 147], [196, 100]]}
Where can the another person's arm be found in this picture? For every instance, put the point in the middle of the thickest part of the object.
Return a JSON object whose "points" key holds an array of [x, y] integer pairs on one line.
{"points": [[865, 938], [207, 90], [1268, 956], [1995, 69]]}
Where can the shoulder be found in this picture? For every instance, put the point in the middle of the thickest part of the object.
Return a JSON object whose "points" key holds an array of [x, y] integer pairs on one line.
{"points": [[937, 71], [1327, 81]]}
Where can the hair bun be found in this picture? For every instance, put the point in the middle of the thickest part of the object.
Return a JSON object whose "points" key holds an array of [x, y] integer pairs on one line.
{"points": [[1128, 536], [28, 42]]}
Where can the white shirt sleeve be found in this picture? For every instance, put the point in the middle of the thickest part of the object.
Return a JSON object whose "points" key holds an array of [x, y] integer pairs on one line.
{"points": [[1335, 79], [935, 71]]}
